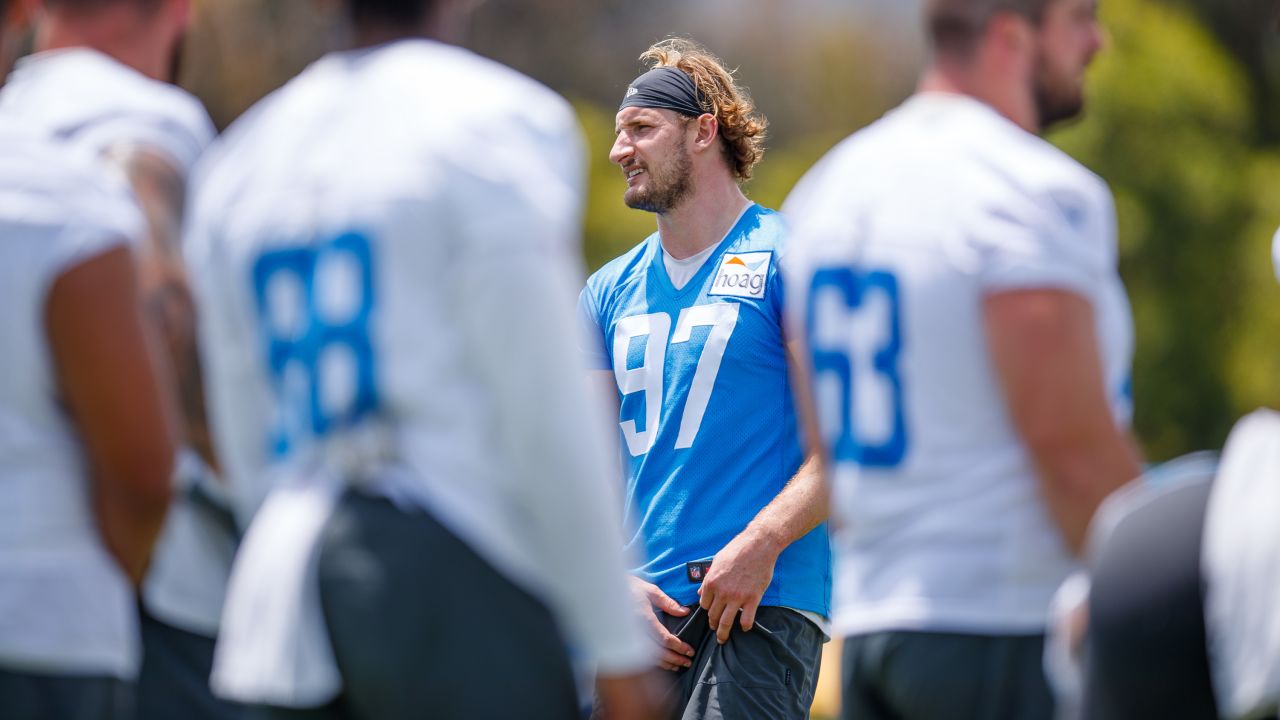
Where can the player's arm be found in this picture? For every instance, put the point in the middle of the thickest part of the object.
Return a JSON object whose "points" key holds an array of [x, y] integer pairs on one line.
{"points": [[161, 191], [741, 572], [1045, 351], [116, 395]]}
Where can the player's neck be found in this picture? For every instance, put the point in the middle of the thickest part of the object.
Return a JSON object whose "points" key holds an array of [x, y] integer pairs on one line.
{"points": [[1001, 90], [439, 26], [703, 220], [112, 37]]}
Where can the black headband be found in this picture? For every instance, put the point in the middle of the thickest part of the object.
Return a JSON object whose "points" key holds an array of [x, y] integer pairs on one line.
{"points": [[665, 88]]}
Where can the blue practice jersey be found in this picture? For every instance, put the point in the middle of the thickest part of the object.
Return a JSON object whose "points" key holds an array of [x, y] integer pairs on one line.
{"points": [[706, 411]]}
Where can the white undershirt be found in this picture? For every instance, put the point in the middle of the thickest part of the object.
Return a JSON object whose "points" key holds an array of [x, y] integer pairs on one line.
{"points": [[682, 271]]}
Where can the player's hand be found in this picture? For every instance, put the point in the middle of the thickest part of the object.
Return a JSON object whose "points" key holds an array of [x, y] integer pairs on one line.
{"points": [[676, 653], [630, 697], [739, 575]]}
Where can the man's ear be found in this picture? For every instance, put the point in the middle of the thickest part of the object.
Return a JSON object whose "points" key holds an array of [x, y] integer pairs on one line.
{"points": [[1011, 32], [708, 131]]}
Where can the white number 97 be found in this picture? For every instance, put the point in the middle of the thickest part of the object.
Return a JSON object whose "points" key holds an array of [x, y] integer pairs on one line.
{"points": [[648, 377]]}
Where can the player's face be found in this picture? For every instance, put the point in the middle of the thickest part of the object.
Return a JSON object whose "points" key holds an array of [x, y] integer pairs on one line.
{"points": [[1069, 37], [652, 150]]}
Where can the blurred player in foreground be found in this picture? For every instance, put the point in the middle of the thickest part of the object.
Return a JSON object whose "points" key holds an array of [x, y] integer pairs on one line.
{"points": [[969, 340], [384, 256], [1185, 583], [687, 331], [87, 444], [100, 80]]}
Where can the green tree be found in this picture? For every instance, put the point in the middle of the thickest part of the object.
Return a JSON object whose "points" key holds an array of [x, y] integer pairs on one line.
{"points": [[1169, 126]]}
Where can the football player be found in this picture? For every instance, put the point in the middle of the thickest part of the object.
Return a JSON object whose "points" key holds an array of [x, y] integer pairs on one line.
{"points": [[100, 80], [385, 259], [733, 563], [969, 344], [88, 440]]}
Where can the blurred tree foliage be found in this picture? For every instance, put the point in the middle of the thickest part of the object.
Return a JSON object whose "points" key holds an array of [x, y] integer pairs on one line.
{"points": [[1172, 126], [1250, 30]]}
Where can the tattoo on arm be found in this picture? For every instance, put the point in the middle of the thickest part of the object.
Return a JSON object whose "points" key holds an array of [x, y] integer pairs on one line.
{"points": [[167, 298]]}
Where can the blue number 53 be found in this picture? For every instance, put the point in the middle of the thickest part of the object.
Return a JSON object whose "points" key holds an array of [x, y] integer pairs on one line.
{"points": [[851, 287]]}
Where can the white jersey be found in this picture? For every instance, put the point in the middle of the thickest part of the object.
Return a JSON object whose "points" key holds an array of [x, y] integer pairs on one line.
{"points": [[1240, 563], [899, 233], [384, 253], [65, 605], [97, 104]]}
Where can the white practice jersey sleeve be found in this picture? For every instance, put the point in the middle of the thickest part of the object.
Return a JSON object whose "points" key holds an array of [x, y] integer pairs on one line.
{"points": [[1041, 240], [97, 104]]}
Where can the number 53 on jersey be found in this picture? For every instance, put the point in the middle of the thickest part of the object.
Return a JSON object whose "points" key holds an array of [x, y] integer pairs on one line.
{"points": [[854, 325]]}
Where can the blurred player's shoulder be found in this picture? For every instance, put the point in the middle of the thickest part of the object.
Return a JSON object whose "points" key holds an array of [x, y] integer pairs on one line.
{"points": [[992, 163], [43, 182], [86, 97], [430, 85], [421, 123]]}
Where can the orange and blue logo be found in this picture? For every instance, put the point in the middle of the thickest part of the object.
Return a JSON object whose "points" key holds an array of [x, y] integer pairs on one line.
{"points": [[751, 267], [742, 275]]}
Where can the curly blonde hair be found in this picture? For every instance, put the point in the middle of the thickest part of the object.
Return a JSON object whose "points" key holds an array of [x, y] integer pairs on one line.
{"points": [[742, 127]]}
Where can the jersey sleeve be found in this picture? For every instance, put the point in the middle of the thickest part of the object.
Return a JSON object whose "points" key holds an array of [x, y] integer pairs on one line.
{"points": [[517, 245], [97, 213], [1059, 238], [174, 126], [591, 343]]}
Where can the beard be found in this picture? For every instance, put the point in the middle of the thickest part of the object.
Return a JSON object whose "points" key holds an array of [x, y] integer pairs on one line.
{"points": [[1057, 100], [668, 186]]}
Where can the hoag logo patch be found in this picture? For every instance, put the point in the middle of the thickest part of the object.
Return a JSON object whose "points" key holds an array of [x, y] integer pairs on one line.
{"points": [[742, 275]]}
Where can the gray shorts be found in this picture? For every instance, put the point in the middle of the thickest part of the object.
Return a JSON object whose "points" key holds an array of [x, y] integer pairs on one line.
{"points": [[768, 673], [944, 676], [423, 627], [33, 696], [174, 679]]}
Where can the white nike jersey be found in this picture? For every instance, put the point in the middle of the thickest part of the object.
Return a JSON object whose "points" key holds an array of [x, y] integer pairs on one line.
{"points": [[899, 233], [65, 606], [383, 251], [96, 103]]}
